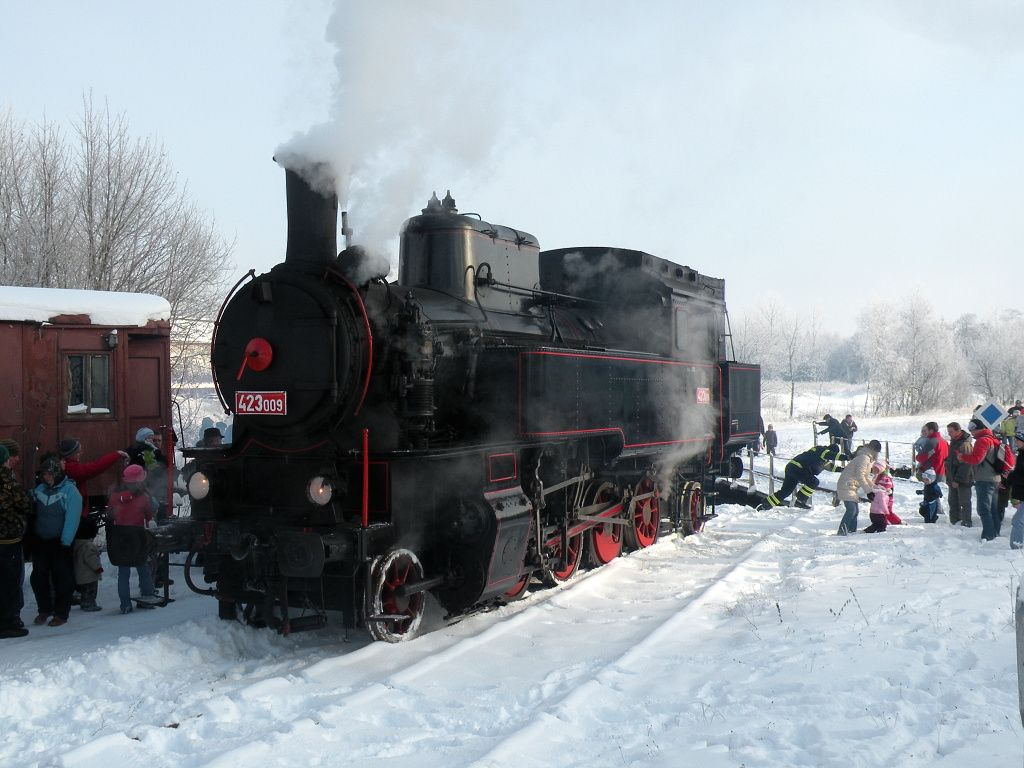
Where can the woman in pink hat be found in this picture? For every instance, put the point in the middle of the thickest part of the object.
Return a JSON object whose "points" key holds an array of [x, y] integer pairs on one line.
{"points": [[132, 505]]}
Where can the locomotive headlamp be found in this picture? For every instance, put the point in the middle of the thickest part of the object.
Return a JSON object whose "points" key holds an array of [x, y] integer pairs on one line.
{"points": [[320, 490], [199, 486]]}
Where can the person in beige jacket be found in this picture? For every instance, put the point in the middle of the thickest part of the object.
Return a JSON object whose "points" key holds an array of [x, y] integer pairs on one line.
{"points": [[856, 477]]}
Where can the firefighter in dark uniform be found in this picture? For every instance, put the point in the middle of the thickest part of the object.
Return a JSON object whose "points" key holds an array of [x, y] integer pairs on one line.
{"points": [[802, 473]]}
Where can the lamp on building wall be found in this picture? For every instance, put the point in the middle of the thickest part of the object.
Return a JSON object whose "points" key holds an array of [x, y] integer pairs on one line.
{"points": [[110, 339]]}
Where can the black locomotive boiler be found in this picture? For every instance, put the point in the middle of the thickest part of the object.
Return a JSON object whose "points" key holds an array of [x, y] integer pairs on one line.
{"points": [[496, 417]]}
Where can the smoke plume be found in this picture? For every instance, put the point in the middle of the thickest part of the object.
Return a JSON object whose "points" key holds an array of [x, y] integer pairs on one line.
{"points": [[419, 101]]}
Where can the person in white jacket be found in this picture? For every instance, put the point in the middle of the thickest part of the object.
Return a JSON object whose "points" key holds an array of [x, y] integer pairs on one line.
{"points": [[856, 477]]}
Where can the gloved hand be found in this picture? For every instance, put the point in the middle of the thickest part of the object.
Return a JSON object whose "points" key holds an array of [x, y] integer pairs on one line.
{"points": [[919, 491], [871, 495]]}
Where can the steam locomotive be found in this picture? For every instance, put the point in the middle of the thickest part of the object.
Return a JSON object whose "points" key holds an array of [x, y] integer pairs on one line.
{"points": [[498, 416]]}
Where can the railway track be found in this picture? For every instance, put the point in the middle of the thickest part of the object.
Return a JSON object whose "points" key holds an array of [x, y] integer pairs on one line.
{"points": [[530, 656], [514, 662]]}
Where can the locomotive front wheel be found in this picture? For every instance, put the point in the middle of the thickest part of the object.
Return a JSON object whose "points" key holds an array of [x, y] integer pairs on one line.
{"points": [[553, 577], [605, 539], [389, 616], [518, 591], [693, 508], [646, 517]]}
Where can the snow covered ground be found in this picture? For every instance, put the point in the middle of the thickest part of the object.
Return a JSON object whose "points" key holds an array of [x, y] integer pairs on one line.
{"points": [[764, 641]]}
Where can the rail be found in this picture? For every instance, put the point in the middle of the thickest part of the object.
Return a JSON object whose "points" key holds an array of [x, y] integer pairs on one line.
{"points": [[750, 471]]}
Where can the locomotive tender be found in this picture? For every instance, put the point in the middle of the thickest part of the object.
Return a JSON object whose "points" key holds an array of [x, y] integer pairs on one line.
{"points": [[497, 416]]}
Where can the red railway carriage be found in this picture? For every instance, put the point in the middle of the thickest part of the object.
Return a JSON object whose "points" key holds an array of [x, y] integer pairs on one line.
{"points": [[89, 364]]}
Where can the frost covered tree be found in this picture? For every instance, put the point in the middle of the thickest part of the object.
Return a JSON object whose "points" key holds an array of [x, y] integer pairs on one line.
{"points": [[755, 338], [843, 360], [993, 367], [36, 203], [912, 361], [788, 346]]}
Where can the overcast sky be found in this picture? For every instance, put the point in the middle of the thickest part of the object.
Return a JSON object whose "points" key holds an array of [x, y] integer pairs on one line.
{"points": [[827, 153]]}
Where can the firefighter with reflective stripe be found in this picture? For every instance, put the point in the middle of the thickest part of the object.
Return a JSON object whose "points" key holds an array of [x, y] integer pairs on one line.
{"points": [[802, 474]]}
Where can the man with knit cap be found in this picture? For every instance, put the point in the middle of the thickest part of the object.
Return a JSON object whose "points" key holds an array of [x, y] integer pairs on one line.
{"points": [[147, 451], [80, 471], [14, 450], [15, 505]]}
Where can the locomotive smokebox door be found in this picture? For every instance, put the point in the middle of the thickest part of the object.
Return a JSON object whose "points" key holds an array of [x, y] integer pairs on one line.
{"points": [[741, 403]]}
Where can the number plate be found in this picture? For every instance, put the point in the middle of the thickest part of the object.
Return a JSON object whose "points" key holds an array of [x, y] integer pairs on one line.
{"points": [[704, 395], [261, 403]]}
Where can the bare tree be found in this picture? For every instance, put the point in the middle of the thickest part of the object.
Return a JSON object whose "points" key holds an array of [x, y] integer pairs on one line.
{"points": [[104, 210], [35, 203], [792, 337]]}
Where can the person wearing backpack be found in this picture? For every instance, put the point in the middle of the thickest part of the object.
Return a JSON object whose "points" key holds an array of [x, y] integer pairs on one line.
{"points": [[58, 512], [1015, 482], [986, 477]]}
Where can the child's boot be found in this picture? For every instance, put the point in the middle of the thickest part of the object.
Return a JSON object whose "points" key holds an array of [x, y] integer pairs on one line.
{"points": [[88, 603]]}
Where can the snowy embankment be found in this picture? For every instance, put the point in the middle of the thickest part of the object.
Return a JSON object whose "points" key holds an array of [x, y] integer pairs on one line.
{"points": [[764, 641]]}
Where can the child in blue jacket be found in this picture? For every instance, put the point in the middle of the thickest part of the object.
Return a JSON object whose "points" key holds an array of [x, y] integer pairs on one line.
{"points": [[929, 508]]}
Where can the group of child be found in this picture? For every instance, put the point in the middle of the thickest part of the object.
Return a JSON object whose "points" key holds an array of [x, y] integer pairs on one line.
{"points": [[129, 504], [51, 525], [881, 511]]}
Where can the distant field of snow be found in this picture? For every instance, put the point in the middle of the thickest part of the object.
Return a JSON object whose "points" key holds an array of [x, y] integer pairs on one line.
{"points": [[812, 399], [764, 641]]}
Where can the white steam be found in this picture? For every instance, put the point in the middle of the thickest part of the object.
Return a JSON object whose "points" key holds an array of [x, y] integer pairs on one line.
{"points": [[419, 101]]}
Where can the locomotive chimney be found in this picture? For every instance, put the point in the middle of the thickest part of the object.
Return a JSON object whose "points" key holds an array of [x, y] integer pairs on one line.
{"points": [[312, 220]]}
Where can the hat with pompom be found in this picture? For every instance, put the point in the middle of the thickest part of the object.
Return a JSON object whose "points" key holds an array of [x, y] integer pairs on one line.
{"points": [[50, 465], [133, 473]]}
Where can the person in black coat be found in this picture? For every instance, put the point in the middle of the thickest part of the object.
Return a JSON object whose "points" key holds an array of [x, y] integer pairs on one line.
{"points": [[803, 470], [1015, 482], [838, 432], [771, 440]]}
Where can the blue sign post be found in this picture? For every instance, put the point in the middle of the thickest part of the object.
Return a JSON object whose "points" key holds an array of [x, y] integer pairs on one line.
{"points": [[991, 414]]}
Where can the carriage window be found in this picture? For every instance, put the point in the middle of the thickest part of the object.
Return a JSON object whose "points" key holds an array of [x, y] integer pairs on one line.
{"points": [[88, 384]]}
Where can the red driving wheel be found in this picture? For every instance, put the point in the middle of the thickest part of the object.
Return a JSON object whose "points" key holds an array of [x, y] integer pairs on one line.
{"points": [[646, 516]]}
